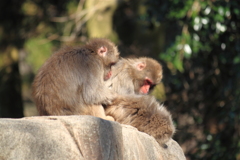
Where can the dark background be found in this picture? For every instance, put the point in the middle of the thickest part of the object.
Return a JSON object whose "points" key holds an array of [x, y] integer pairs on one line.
{"points": [[197, 42]]}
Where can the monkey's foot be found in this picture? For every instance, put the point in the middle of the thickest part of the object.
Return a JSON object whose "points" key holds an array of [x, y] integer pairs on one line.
{"points": [[109, 118]]}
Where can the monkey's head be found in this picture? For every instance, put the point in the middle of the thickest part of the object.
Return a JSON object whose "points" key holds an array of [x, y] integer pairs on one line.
{"points": [[147, 73], [107, 52]]}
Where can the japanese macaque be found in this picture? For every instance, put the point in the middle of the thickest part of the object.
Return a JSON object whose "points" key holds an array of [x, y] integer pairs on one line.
{"points": [[144, 113], [135, 75], [73, 80], [132, 79]]}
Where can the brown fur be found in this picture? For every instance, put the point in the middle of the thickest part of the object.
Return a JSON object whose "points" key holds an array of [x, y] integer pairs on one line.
{"points": [[71, 82], [144, 113], [127, 79], [132, 108]]}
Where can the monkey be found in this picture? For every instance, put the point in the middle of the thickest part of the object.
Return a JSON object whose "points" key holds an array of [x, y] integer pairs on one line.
{"points": [[144, 113], [73, 80], [133, 79], [135, 75]]}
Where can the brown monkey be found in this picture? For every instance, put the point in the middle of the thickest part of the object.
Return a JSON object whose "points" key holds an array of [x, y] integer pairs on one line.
{"points": [[72, 81], [135, 75], [138, 76], [144, 113]]}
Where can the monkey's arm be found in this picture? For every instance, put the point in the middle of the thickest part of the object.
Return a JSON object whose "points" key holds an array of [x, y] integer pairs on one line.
{"points": [[144, 113], [96, 92]]}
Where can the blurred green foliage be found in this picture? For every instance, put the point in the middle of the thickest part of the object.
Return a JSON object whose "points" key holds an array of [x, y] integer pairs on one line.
{"points": [[197, 42], [39, 52], [206, 53]]}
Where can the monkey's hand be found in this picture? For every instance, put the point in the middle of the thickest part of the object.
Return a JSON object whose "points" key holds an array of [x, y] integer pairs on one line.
{"points": [[110, 118], [108, 101]]}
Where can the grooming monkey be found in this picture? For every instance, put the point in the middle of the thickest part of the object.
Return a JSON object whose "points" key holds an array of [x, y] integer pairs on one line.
{"points": [[73, 80]]}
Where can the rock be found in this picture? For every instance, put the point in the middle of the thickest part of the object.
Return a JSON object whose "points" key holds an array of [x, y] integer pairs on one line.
{"points": [[79, 138]]}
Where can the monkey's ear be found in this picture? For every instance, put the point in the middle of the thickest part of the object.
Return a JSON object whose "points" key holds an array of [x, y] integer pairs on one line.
{"points": [[102, 51], [141, 66]]}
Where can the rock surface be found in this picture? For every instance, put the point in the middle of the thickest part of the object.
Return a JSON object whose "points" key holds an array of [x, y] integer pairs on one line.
{"points": [[79, 138]]}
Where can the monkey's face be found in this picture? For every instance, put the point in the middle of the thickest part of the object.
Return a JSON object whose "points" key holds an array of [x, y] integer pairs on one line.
{"points": [[109, 63], [107, 52], [143, 86], [147, 76], [111, 58]]}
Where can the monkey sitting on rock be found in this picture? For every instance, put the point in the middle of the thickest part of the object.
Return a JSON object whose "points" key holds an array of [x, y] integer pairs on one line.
{"points": [[132, 79], [74, 81]]}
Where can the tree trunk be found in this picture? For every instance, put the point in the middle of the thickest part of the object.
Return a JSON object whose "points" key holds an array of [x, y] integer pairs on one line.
{"points": [[100, 18]]}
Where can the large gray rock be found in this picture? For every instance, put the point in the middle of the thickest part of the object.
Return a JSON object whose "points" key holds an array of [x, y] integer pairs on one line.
{"points": [[78, 138]]}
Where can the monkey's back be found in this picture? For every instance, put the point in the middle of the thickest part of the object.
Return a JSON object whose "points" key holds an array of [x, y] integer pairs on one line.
{"points": [[59, 83], [144, 113]]}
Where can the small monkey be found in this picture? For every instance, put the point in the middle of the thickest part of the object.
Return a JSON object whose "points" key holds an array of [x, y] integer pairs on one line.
{"points": [[136, 75], [144, 113], [133, 79], [73, 80]]}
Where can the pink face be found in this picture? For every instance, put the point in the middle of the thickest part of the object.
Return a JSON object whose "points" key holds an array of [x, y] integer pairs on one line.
{"points": [[146, 86], [144, 89], [102, 52]]}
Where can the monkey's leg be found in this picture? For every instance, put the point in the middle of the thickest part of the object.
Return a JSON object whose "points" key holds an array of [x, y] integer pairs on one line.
{"points": [[98, 111]]}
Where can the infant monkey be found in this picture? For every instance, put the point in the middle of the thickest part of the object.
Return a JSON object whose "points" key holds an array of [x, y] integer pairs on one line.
{"points": [[135, 75], [73, 80], [132, 78]]}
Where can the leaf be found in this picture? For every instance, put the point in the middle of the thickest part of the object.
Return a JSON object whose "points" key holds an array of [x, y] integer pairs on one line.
{"points": [[177, 62]]}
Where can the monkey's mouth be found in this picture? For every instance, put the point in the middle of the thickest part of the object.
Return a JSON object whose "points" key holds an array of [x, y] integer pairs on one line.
{"points": [[146, 86], [148, 81]]}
